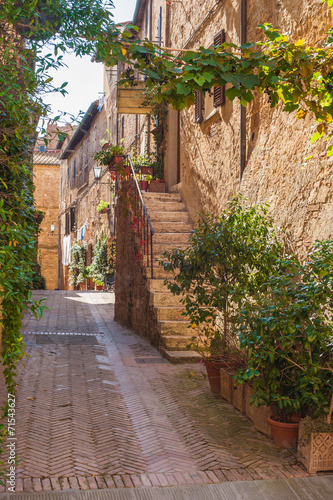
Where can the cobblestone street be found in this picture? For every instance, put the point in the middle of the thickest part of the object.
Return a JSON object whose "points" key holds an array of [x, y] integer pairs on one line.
{"points": [[98, 407]]}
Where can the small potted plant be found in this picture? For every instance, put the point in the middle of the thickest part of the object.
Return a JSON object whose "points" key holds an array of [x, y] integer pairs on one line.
{"points": [[103, 207], [110, 155], [288, 337]]}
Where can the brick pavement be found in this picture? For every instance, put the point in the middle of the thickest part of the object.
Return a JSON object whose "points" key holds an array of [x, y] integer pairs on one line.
{"points": [[116, 415]]}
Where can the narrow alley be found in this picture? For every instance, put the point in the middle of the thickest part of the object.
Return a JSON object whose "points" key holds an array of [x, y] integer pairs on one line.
{"points": [[98, 407]]}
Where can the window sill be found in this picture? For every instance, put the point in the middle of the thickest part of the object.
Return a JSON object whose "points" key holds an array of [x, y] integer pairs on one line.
{"points": [[213, 114]]}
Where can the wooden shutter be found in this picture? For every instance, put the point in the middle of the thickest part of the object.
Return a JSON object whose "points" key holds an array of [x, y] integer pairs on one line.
{"points": [[66, 223], [199, 106], [219, 92], [72, 218]]}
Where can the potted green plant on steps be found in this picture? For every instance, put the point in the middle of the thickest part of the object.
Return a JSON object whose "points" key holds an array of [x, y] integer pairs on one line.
{"points": [[287, 334], [229, 256], [103, 207]]}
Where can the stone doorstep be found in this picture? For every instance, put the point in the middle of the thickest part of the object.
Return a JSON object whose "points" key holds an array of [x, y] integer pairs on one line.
{"points": [[181, 356]]}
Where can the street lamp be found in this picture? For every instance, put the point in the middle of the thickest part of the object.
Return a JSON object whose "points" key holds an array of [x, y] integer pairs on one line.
{"points": [[97, 173], [52, 228]]}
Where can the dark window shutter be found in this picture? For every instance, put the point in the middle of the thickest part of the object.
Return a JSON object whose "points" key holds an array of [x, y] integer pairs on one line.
{"points": [[219, 92], [72, 218], [199, 106], [66, 223]]}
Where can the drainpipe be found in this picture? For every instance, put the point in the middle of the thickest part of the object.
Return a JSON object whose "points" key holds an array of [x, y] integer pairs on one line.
{"points": [[243, 8]]}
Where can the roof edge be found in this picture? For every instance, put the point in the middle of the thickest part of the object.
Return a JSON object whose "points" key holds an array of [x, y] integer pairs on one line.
{"points": [[79, 133]]}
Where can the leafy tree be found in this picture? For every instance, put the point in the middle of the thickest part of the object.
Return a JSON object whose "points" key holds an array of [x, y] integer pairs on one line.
{"points": [[229, 257], [103, 263]]}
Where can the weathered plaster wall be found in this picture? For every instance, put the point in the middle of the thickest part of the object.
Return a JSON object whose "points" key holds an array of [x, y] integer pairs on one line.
{"points": [[276, 143], [132, 306]]}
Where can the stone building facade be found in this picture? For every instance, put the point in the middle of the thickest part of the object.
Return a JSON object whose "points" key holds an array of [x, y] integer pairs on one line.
{"points": [[80, 193], [46, 171], [203, 161]]}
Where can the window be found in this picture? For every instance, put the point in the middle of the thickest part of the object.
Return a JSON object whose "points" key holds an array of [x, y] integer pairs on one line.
{"points": [[159, 28], [199, 106], [66, 223], [74, 168], [72, 218], [219, 92]]}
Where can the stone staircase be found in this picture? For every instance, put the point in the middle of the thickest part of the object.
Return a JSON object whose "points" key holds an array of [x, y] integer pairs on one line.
{"points": [[172, 228]]}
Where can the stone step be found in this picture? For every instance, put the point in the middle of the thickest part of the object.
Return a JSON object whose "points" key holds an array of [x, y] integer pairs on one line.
{"points": [[177, 327], [171, 238], [159, 248], [159, 272], [169, 217], [170, 313], [161, 197], [156, 285], [164, 206], [175, 342], [172, 227], [181, 356], [164, 299]]}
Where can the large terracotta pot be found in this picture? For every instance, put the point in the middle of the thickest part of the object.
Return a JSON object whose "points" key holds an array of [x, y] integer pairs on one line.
{"points": [[213, 372], [284, 434]]}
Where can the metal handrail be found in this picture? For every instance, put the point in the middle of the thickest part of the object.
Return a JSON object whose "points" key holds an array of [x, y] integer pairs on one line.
{"points": [[148, 224]]}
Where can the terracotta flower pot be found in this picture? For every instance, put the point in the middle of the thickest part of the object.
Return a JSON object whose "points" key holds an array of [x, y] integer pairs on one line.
{"points": [[213, 372], [143, 185], [284, 434], [116, 159]]}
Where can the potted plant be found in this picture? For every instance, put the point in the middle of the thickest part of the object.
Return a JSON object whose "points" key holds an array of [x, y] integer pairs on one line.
{"points": [[103, 263], [287, 334], [110, 155], [229, 255], [103, 207]]}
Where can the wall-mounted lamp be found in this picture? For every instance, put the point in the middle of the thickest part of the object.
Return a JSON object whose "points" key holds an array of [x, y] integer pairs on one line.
{"points": [[97, 173], [52, 228]]}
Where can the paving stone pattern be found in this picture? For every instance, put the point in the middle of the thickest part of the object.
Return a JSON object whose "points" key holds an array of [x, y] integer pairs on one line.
{"points": [[91, 417]]}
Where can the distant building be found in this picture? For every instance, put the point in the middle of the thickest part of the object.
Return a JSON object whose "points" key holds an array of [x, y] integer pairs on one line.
{"points": [[46, 171], [80, 193]]}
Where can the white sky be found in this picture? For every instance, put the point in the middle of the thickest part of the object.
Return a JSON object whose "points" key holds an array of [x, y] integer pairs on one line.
{"points": [[85, 79]]}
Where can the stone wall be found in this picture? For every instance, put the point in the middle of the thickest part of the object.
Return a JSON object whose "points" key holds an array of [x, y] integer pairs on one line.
{"points": [[132, 306], [46, 180], [277, 144]]}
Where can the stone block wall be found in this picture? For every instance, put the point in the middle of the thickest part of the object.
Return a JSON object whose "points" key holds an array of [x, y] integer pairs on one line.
{"points": [[132, 306], [46, 180]]}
